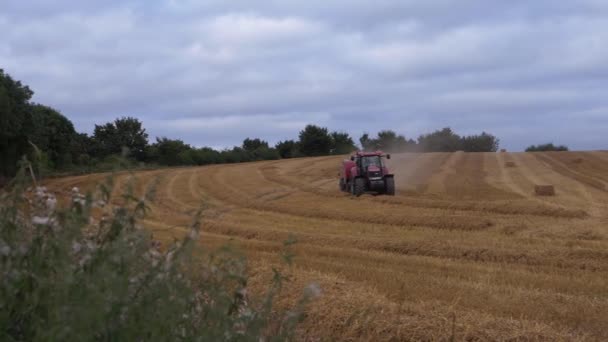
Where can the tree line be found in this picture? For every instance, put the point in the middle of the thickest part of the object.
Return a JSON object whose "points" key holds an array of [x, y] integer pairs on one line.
{"points": [[29, 129]]}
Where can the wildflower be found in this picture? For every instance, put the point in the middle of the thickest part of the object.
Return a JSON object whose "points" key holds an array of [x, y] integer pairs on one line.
{"points": [[313, 290], [41, 191], [76, 247], [51, 203], [78, 199], [169, 260], [42, 220], [194, 234]]}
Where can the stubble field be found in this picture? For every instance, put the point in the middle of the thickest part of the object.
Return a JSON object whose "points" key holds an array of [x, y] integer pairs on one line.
{"points": [[464, 249]]}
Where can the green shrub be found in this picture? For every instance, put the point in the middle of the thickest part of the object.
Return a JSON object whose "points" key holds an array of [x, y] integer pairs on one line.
{"points": [[68, 275], [546, 147]]}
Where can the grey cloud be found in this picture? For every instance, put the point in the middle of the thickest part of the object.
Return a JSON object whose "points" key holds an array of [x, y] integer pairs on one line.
{"points": [[265, 68]]}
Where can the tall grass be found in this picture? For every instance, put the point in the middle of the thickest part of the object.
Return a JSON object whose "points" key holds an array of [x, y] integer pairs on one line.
{"points": [[86, 270]]}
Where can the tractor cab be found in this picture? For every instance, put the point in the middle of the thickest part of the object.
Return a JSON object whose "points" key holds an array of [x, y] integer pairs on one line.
{"points": [[371, 164], [367, 171]]}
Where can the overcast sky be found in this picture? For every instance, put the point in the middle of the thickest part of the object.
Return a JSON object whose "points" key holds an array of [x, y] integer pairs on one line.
{"points": [[215, 72]]}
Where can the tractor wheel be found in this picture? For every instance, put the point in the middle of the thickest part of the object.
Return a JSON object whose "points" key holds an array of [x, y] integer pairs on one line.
{"points": [[359, 187], [389, 186]]}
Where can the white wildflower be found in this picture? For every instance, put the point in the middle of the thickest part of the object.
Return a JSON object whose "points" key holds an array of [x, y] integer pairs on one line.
{"points": [[168, 261], [194, 234], [51, 203], [313, 290], [41, 190], [41, 220], [75, 190], [76, 247], [79, 199]]}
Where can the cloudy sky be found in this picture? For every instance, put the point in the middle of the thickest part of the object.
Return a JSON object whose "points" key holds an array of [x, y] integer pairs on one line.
{"points": [[213, 72]]}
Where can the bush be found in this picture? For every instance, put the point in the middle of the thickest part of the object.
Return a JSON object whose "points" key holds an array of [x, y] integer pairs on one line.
{"points": [[546, 147], [66, 274], [387, 141], [484, 142], [287, 149], [444, 140], [315, 141]]}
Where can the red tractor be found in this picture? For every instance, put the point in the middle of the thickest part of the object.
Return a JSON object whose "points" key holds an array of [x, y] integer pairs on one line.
{"points": [[367, 171]]}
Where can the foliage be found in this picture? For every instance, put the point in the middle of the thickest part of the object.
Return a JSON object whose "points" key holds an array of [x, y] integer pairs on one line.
{"points": [[55, 134], [254, 144], [546, 147], [259, 150], [113, 137], [388, 141], [315, 141], [444, 140], [366, 143], [15, 122], [342, 143], [169, 151], [69, 275], [484, 142], [287, 148]]}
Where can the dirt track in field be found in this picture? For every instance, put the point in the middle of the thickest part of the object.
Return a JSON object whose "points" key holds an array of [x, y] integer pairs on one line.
{"points": [[465, 244]]}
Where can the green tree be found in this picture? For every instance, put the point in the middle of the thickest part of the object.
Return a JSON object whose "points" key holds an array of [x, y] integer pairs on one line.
{"points": [[15, 122], [287, 148], [366, 143], [342, 143], [259, 150], [546, 147], [387, 140], [315, 141], [484, 142], [205, 156], [171, 152], [254, 144], [391, 142], [235, 155], [54, 134], [113, 137], [444, 140]]}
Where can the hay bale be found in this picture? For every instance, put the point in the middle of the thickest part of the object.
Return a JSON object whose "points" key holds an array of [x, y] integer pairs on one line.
{"points": [[503, 150], [510, 164], [544, 190]]}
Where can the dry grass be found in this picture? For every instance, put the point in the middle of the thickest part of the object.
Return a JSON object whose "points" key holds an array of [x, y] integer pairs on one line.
{"points": [[465, 248]]}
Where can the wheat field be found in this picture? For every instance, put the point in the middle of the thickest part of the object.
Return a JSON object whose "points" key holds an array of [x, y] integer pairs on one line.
{"points": [[465, 250]]}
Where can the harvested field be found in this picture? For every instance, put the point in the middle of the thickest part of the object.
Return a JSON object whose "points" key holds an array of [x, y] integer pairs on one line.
{"points": [[466, 247]]}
